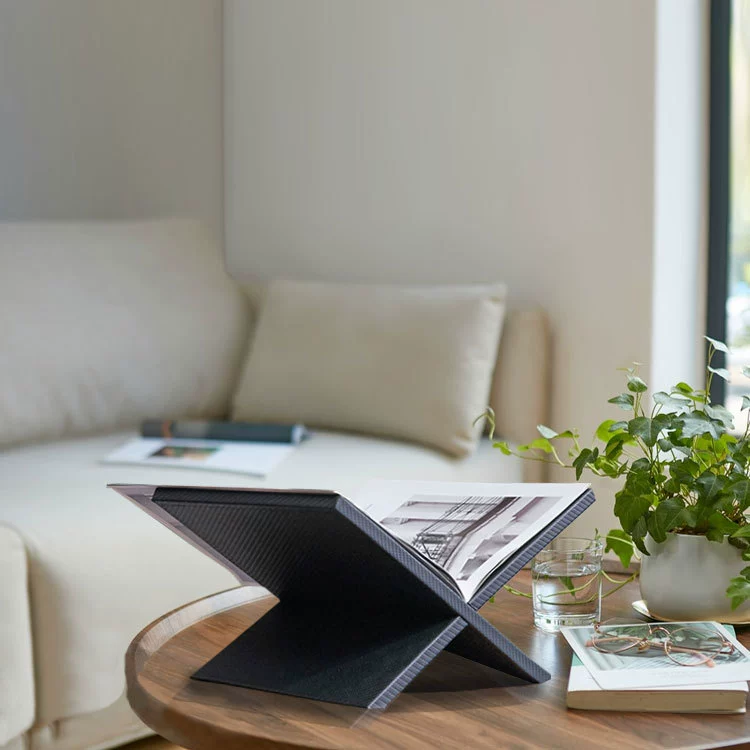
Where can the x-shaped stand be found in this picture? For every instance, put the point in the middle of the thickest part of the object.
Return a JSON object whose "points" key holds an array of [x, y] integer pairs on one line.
{"points": [[360, 615]]}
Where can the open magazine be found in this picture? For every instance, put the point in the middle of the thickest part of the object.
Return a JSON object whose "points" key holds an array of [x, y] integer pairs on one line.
{"points": [[463, 531], [237, 447]]}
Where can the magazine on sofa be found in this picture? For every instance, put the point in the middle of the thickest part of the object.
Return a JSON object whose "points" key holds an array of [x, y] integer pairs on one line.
{"points": [[463, 531], [235, 447]]}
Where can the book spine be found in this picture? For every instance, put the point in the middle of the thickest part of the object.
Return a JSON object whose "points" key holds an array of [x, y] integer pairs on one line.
{"points": [[210, 430]]}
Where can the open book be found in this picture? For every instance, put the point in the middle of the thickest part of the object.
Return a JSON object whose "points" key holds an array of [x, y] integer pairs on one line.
{"points": [[462, 531], [465, 530]]}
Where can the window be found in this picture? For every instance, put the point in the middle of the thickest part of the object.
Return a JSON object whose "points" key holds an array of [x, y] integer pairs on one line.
{"points": [[729, 205]]}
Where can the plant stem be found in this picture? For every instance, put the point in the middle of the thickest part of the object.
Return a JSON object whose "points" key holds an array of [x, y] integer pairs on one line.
{"points": [[620, 584]]}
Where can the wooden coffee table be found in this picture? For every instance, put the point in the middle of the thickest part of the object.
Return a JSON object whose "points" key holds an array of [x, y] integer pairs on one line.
{"points": [[452, 704]]}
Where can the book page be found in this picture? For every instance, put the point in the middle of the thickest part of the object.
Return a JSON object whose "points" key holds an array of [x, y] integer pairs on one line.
{"points": [[468, 529]]}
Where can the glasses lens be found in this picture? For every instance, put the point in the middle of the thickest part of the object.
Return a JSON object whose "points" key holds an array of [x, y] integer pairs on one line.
{"points": [[701, 639], [685, 657], [626, 629], [614, 636], [614, 644]]}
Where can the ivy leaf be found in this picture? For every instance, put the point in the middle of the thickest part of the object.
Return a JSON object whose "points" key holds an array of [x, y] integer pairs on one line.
{"points": [[610, 467], [738, 591], [666, 516], [646, 429], [613, 449], [742, 533], [741, 493], [714, 535], [586, 456], [722, 523], [630, 509], [540, 444], [683, 388], [696, 424], [503, 448], [690, 517], [674, 405], [684, 471], [638, 479], [604, 430], [722, 372], [718, 345], [619, 542], [746, 371], [546, 432], [722, 414], [741, 544], [636, 385], [638, 534], [656, 532], [625, 401], [745, 402], [710, 485]]}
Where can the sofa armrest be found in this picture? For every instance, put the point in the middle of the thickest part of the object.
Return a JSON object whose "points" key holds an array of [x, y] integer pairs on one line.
{"points": [[520, 392], [17, 704]]}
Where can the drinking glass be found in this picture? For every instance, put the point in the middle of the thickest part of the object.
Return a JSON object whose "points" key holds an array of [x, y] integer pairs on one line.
{"points": [[567, 583]]}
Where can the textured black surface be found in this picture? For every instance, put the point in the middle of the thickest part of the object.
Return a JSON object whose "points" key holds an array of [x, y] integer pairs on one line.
{"points": [[360, 614], [344, 656]]}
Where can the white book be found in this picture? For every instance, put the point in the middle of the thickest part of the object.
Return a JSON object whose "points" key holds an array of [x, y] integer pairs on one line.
{"points": [[722, 697]]}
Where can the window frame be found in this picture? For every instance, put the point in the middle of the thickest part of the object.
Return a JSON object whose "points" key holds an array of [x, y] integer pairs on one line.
{"points": [[719, 183]]}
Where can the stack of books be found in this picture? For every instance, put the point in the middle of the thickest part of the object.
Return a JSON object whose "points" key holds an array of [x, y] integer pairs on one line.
{"points": [[648, 680]]}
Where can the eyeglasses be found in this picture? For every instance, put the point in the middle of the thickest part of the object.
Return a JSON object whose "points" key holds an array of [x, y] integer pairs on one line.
{"points": [[686, 645]]}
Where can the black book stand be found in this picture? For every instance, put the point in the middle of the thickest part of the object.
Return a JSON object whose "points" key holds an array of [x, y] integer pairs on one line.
{"points": [[359, 616]]}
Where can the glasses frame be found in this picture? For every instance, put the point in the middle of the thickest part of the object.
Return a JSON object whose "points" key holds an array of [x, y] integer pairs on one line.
{"points": [[660, 638]]}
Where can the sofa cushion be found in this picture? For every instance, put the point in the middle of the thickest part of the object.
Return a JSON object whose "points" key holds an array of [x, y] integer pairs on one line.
{"points": [[413, 363], [101, 569], [105, 324]]}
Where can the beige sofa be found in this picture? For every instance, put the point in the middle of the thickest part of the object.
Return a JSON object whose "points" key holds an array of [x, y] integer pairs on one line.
{"points": [[104, 325]]}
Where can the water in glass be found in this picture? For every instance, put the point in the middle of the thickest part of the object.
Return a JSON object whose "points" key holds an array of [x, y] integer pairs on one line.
{"points": [[566, 583]]}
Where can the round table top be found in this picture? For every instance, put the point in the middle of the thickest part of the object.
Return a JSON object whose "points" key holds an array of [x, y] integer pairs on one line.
{"points": [[452, 704]]}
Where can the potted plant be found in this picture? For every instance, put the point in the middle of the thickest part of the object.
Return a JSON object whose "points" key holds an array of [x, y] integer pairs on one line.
{"points": [[684, 496]]}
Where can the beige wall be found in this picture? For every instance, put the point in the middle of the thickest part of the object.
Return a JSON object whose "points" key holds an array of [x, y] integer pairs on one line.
{"points": [[444, 141], [110, 109]]}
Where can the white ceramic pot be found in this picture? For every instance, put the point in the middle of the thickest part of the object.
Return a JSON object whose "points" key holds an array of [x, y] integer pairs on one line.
{"points": [[686, 578]]}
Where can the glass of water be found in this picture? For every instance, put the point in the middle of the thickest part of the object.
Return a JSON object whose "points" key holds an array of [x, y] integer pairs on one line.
{"points": [[567, 583]]}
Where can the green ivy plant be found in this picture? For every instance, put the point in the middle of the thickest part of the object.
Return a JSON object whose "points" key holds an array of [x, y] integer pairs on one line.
{"points": [[682, 466]]}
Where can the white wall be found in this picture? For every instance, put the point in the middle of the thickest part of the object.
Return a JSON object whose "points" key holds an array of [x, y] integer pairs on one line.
{"points": [[444, 141], [680, 195], [111, 109]]}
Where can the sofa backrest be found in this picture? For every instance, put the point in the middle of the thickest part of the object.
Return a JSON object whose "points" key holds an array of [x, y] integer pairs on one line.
{"points": [[105, 324]]}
